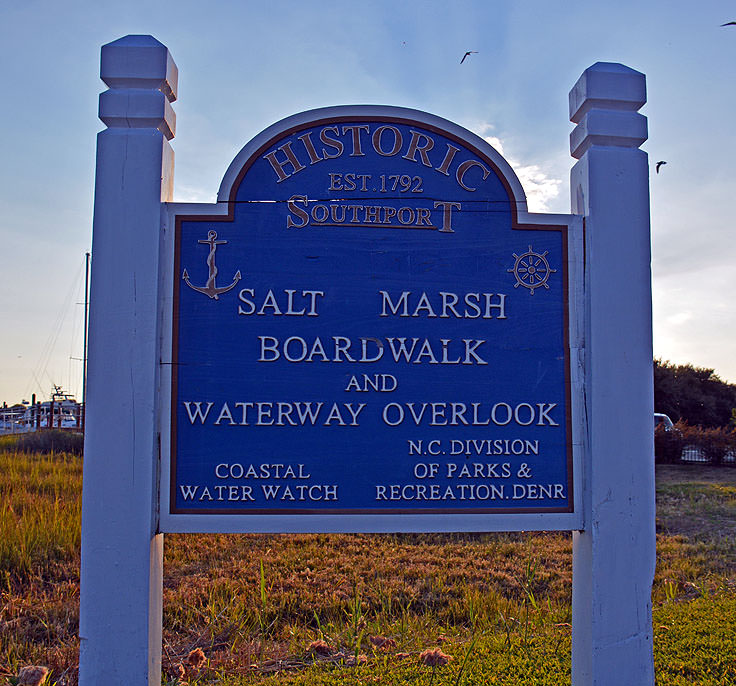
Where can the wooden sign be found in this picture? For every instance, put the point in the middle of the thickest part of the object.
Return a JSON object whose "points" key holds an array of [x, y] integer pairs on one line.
{"points": [[374, 326]]}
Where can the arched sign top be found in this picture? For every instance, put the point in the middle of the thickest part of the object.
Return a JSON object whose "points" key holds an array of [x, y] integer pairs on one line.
{"points": [[383, 137]]}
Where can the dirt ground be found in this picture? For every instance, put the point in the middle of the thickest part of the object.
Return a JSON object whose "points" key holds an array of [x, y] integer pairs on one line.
{"points": [[693, 473]]}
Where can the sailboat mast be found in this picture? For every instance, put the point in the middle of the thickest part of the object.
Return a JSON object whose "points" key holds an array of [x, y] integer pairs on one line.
{"points": [[84, 354]]}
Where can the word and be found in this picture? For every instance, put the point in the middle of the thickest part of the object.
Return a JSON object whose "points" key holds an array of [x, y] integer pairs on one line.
{"points": [[383, 383]]}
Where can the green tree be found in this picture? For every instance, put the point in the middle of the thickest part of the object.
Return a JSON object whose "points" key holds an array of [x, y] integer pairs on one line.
{"points": [[695, 394]]}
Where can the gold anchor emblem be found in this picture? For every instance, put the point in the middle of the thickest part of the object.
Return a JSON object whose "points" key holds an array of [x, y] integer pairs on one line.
{"points": [[211, 289]]}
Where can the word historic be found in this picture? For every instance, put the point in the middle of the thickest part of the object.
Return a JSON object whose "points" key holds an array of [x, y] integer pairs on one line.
{"points": [[386, 141]]}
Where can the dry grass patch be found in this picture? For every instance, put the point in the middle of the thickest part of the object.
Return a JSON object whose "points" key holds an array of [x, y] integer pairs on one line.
{"points": [[696, 524], [273, 596], [363, 609]]}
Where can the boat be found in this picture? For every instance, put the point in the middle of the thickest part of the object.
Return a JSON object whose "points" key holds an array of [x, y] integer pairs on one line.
{"points": [[62, 411]]}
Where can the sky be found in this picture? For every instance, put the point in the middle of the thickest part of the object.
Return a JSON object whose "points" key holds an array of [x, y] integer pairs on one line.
{"points": [[245, 65]]}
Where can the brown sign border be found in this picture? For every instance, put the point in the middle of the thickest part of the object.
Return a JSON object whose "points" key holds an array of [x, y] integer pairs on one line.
{"points": [[229, 217]]}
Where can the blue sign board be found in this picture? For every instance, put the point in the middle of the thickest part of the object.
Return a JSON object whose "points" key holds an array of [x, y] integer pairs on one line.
{"points": [[370, 329]]}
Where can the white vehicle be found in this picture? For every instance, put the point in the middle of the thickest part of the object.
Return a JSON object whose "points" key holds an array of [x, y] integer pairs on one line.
{"points": [[664, 421]]}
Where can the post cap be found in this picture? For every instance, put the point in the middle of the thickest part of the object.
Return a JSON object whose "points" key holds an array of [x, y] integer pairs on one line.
{"points": [[607, 86], [610, 129], [133, 108], [139, 62]]}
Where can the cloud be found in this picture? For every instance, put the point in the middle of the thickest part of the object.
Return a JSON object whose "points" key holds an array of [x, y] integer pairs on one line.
{"points": [[193, 194], [679, 318], [540, 188], [694, 320]]}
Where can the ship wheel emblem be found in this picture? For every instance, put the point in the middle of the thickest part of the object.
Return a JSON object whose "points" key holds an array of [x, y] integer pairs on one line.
{"points": [[531, 270], [210, 288]]}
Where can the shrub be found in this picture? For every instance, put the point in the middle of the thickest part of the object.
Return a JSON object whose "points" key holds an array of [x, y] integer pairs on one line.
{"points": [[51, 441], [711, 445], [668, 444]]}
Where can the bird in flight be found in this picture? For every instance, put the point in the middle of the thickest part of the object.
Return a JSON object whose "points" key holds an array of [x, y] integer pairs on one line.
{"points": [[469, 52], [729, 23], [659, 164]]}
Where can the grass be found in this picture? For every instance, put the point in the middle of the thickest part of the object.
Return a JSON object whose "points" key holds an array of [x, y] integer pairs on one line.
{"points": [[40, 512], [40, 516], [346, 589], [364, 609]]}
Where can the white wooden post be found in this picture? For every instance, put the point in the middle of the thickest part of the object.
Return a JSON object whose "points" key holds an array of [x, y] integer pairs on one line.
{"points": [[614, 557], [122, 556]]}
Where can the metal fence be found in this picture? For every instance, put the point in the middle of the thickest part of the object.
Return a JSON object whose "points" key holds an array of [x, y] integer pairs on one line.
{"points": [[694, 454]]}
